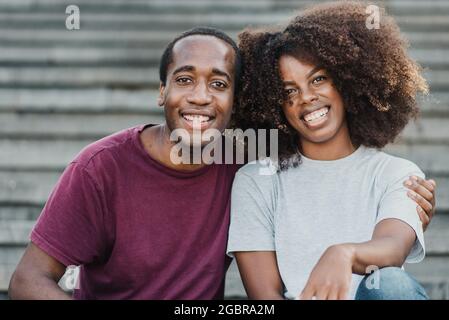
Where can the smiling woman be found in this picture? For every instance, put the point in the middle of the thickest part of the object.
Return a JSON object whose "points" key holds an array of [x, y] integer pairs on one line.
{"points": [[338, 206]]}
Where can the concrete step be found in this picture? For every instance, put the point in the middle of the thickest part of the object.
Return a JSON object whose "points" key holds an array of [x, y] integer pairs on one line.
{"points": [[98, 100], [125, 77], [63, 77], [29, 186], [74, 126], [181, 20], [19, 213], [97, 57], [83, 56], [431, 158], [55, 154], [88, 100], [204, 6], [151, 38], [90, 125], [431, 272], [139, 21]]}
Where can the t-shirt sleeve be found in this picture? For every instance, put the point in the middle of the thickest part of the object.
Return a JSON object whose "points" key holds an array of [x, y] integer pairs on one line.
{"points": [[70, 227], [396, 204], [251, 227]]}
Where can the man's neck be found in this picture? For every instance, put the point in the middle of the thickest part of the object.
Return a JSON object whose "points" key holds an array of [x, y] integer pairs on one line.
{"points": [[156, 141]]}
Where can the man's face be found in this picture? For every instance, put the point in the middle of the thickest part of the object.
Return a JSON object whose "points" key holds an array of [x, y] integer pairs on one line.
{"points": [[199, 90]]}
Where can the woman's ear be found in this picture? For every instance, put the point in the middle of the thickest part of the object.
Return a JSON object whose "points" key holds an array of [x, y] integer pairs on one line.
{"points": [[161, 98]]}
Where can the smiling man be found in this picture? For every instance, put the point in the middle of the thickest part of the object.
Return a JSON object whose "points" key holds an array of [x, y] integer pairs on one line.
{"points": [[140, 226]]}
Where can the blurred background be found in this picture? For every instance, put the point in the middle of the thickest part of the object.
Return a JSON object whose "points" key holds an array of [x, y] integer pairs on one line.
{"points": [[62, 89]]}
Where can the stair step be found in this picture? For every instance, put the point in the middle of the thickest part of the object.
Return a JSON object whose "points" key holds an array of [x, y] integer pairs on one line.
{"points": [[99, 57], [98, 100], [179, 21], [426, 130], [204, 7], [126, 77], [54, 152], [74, 126], [30, 186], [89, 100], [151, 39], [111, 77]]}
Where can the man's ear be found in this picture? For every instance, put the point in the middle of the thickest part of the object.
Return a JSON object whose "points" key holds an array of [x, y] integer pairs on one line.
{"points": [[161, 98]]}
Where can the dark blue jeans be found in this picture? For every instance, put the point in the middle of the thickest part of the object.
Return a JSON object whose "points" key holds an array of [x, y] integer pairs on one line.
{"points": [[390, 284]]}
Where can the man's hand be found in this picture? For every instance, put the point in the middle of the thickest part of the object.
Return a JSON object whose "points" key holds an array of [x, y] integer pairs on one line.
{"points": [[423, 193], [331, 277]]}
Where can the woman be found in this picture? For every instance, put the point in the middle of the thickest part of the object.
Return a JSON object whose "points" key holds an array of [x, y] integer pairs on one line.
{"points": [[337, 208]]}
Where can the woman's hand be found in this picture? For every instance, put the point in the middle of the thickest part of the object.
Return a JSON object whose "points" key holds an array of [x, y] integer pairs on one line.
{"points": [[423, 193], [331, 277]]}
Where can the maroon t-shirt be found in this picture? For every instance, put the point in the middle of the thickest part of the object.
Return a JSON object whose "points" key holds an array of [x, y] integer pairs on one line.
{"points": [[138, 229]]}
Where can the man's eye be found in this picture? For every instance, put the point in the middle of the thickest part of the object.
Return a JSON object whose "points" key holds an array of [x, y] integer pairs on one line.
{"points": [[219, 84], [183, 80], [319, 79]]}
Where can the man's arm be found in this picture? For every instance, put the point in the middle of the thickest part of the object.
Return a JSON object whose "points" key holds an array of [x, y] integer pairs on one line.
{"points": [[390, 245], [37, 277], [260, 275]]}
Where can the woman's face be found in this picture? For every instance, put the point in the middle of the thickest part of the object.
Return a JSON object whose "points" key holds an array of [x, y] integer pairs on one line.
{"points": [[314, 107]]}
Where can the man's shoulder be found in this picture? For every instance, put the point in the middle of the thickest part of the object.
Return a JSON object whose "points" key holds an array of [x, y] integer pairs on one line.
{"points": [[114, 142]]}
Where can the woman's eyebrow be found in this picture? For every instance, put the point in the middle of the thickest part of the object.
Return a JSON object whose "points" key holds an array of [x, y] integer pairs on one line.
{"points": [[314, 70]]}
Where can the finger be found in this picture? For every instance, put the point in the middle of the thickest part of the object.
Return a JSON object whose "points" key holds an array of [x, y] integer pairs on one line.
{"points": [[425, 183], [420, 189], [307, 293], [343, 293], [322, 293], [333, 294], [423, 217], [433, 182], [423, 203]]}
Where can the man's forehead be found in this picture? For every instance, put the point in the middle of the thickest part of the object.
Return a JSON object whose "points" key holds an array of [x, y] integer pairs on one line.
{"points": [[203, 47]]}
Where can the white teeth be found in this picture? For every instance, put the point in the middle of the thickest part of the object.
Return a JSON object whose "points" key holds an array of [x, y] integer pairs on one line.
{"points": [[196, 117], [316, 114]]}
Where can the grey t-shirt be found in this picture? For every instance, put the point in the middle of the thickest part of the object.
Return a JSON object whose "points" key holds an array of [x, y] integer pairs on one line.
{"points": [[302, 211]]}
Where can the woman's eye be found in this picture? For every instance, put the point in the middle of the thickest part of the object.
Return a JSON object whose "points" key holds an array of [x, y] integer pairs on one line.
{"points": [[319, 79], [183, 80], [289, 92]]}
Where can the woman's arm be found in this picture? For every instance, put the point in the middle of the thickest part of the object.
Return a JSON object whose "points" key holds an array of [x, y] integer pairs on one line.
{"points": [[260, 274], [390, 245]]}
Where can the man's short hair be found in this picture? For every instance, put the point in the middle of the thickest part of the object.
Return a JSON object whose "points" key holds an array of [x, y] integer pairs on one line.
{"points": [[167, 56]]}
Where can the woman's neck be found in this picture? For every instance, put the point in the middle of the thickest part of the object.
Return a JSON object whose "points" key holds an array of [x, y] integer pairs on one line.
{"points": [[339, 146]]}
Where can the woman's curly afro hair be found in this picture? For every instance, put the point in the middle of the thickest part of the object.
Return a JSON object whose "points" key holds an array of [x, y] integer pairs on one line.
{"points": [[370, 68]]}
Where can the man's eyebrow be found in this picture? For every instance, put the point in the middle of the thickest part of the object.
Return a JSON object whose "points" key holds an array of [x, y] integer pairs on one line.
{"points": [[184, 68], [314, 70], [221, 73]]}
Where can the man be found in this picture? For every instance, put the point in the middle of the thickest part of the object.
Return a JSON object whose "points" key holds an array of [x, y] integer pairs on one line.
{"points": [[141, 226]]}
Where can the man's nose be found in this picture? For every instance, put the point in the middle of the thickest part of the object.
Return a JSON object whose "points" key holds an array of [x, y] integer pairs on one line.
{"points": [[200, 95]]}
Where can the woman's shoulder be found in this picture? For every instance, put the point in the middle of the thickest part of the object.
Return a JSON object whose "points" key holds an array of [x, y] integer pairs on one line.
{"points": [[392, 168], [263, 173]]}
